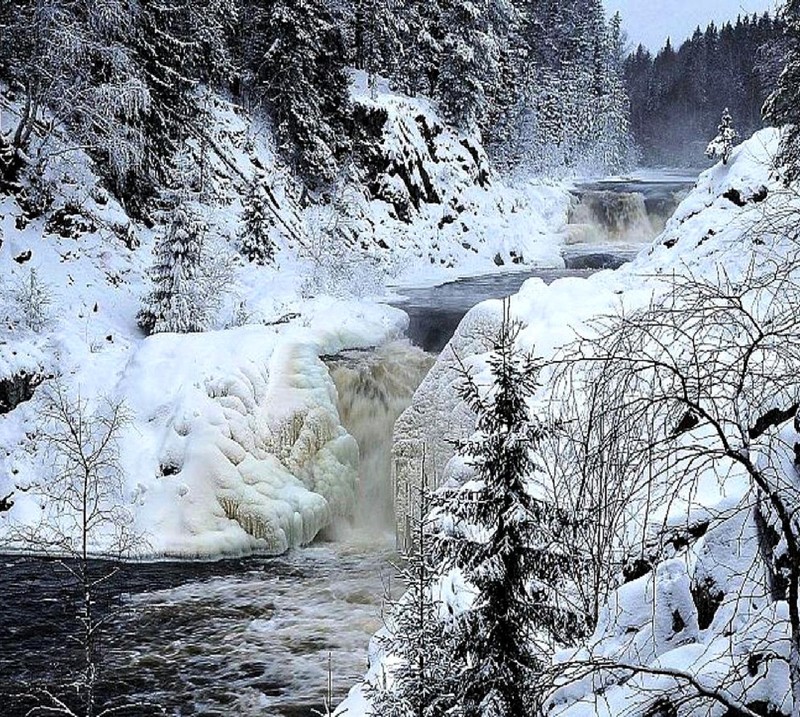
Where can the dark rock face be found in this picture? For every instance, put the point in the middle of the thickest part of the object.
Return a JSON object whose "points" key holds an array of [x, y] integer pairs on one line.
{"points": [[17, 389], [398, 159], [707, 599]]}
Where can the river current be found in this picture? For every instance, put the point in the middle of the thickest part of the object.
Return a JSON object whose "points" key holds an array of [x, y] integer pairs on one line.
{"points": [[255, 636]]}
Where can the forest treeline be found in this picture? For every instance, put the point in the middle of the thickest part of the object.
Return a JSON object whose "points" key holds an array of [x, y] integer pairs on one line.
{"points": [[541, 82], [678, 96]]}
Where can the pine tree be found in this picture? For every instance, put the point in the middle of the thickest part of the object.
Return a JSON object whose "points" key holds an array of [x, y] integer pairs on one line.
{"points": [[255, 241], [377, 38], [421, 45], [472, 65], [297, 55], [722, 145], [486, 531], [783, 107], [172, 305], [180, 44]]}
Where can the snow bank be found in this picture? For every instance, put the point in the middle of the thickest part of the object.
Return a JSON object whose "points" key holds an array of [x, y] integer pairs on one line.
{"points": [[704, 608]]}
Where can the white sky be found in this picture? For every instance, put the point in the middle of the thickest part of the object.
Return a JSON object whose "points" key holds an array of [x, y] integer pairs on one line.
{"points": [[652, 21]]}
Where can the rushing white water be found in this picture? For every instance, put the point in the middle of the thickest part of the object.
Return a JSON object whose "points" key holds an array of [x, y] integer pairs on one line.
{"points": [[256, 641], [604, 216], [374, 389]]}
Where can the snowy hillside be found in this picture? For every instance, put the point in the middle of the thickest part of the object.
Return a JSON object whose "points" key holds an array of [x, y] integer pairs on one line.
{"points": [[235, 443], [696, 606]]}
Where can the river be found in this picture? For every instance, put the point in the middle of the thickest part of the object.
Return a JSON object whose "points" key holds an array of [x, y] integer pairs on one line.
{"points": [[254, 636]]}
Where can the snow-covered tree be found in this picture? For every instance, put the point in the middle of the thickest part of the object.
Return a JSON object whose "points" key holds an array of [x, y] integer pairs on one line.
{"points": [[255, 241], [783, 107], [377, 33], [473, 66], [722, 145], [179, 45], [421, 46], [84, 511], [73, 62], [419, 676], [572, 110], [485, 529], [296, 53], [171, 304]]}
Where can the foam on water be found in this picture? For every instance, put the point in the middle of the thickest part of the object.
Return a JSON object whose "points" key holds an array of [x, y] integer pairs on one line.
{"points": [[256, 642]]}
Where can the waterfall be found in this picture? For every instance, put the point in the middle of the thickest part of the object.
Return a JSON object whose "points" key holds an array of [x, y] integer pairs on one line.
{"points": [[605, 216], [374, 388]]}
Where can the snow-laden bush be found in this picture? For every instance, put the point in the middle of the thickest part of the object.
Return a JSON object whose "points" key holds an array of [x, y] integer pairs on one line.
{"points": [[338, 264], [31, 301]]}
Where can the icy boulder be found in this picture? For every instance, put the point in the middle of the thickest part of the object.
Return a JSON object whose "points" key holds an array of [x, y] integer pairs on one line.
{"points": [[424, 433], [239, 445]]}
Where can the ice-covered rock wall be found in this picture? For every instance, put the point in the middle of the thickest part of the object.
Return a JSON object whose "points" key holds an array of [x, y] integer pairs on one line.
{"points": [[424, 433], [433, 198]]}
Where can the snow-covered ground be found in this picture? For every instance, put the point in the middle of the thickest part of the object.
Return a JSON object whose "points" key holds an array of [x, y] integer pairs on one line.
{"points": [[235, 443], [737, 217]]}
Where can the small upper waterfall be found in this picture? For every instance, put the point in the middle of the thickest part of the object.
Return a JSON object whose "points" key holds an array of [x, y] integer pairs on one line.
{"points": [[605, 216], [623, 212], [374, 388]]}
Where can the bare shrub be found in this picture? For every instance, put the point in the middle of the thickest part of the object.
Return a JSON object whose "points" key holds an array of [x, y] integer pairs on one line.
{"points": [[654, 404]]}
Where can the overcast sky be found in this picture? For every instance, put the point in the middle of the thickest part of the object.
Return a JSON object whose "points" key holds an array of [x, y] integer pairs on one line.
{"points": [[652, 21]]}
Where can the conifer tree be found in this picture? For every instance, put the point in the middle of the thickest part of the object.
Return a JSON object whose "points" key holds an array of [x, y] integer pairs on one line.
{"points": [[378, 31], [783, 106], [297, 56], [485, 530], [180, 43], [421, 43], [255, 241], [423, 674], [172, 305], [472, 60], [722, 145]]}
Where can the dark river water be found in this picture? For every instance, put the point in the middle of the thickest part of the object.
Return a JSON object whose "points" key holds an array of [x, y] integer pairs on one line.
{"points": [[237, 637]]}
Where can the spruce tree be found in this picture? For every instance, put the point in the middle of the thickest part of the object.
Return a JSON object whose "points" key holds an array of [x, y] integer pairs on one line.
{"points": [[255, 241], [722, 145], [423, 675], [783, 107], [172, 304], [297, 55], [486, 531], [421, 43], [378, 37], [473, 66], [180, 44]]}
